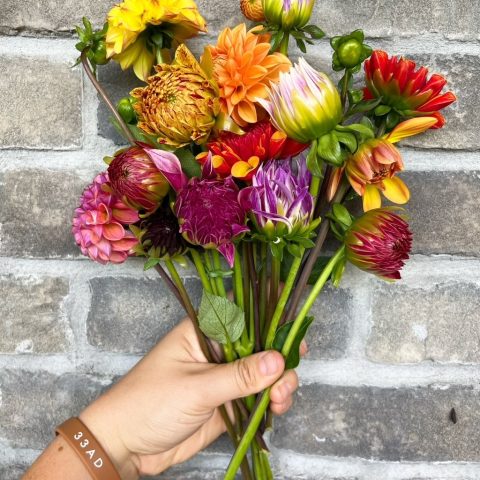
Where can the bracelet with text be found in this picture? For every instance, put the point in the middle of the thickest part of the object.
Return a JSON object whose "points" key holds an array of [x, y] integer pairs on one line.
{"points": [[81, 439]]}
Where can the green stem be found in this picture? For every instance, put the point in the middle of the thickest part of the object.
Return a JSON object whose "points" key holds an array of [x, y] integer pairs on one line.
{"points": [[273, 294], [218, 280], [346, 79], [209, 263], [197, 260], [282, 302], [209, 355], [259, 412], [238, 281], [263, 286], [315, 185], [283, 47]]}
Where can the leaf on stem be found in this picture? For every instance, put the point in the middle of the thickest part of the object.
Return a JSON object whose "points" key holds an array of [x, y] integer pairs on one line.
{"points": [[293, 358], [220, 319]]}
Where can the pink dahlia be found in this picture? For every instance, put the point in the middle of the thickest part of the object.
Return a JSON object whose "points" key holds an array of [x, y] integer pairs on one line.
{"points": [[379, 242], [98, 224]]}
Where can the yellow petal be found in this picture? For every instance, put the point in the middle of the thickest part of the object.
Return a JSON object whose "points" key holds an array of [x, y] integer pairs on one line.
{"points": [[408, 128], [143, 65], [241, 169], [371, 198], [396, 190]]}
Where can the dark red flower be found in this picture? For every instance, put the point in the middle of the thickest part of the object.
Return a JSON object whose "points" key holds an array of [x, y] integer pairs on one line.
{"points": [[241, 155], [379, 242], [405, 88]]}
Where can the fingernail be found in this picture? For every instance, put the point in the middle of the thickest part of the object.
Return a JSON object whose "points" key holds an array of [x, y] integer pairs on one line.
{"points": [[269, 364]]}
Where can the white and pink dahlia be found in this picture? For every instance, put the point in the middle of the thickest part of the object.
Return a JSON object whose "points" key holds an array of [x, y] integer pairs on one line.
{"points": [[98, 224]]}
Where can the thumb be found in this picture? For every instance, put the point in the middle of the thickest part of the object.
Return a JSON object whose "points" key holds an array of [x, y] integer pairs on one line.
{"points": [[243, 377]]}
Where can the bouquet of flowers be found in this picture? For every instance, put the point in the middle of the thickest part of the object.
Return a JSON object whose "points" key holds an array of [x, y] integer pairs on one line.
{"points": [[243, 163]]}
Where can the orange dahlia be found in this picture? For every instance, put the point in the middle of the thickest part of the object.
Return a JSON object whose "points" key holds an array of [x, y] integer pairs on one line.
{"points": [[244, 69]]}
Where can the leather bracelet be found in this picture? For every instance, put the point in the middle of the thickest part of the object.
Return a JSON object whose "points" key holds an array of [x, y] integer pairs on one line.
{"points": [[81, 439]]}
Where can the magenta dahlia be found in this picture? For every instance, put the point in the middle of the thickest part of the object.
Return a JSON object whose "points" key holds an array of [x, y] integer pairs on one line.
{"points": [[98, 224], [136, 180], [379, 242], [208, 209]]}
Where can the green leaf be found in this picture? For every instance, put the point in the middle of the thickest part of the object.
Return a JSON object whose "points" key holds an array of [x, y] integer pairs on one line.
{"points": [[341, 214], [348, 139], [382, 110], [314, 164], [365, 106], [338, 271], [329, 149], [315, 32], [189, 165], [293, 358], [362, 130], [220, 319], [301, 45], [150, 263]]}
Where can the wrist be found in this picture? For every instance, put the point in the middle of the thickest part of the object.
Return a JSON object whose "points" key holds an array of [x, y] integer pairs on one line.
{"points": [[99, 421]]}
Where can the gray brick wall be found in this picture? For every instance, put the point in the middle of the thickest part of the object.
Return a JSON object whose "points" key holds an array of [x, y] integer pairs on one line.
{"points": [[386, 362]]}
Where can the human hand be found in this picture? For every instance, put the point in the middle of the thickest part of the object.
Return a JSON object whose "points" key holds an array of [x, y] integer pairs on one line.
{"points": [[165, 409]]}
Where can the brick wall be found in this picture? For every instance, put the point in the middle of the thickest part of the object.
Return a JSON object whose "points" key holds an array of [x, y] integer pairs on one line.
{"points": [[387, 362]]}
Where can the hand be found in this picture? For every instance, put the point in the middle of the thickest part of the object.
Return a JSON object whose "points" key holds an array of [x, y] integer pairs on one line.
{"points": [[165, 409]]}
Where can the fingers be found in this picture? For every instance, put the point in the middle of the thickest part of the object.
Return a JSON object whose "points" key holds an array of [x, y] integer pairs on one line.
{"points": [[249, 375], [282, 392]]}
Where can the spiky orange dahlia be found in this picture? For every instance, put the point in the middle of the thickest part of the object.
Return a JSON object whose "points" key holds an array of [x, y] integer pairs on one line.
{"points": [[244, 68], [253, 10]]}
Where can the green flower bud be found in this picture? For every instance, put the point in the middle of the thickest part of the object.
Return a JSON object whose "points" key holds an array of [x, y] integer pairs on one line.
{"points": [[126, 111]]}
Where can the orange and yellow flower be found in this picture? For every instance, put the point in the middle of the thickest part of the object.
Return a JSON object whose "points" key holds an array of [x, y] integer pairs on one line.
{"points": [[372, 169], [244, 69], [253, 10], [132, 22]]}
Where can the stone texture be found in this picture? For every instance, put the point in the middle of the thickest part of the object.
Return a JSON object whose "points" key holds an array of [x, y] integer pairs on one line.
{"points": [[12, 472], [329, 334], [463, 123], [130, 315], [118, 84], [44, 101], [32, 315], [191, 474], [33, 403], [49, 15], [456, 19], [443, 212], [438, 323], [383, 424], [36, 209]]}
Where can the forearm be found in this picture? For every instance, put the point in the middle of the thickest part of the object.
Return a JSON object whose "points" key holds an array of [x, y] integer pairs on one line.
{"points": [[58, 461]]}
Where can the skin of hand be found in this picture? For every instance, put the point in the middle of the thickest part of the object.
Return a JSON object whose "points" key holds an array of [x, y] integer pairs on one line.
{"points": [[164, 410]]}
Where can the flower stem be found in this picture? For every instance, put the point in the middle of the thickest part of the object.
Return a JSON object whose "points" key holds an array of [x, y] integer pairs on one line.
{"points": [[106, 99], [283, 47], [210, 354], [209, 264], [273, 293], [197, 260], [252, 273], [345, 81], [219, 280], [238, 282], [262, 404], [263, 285], [277, 314]]}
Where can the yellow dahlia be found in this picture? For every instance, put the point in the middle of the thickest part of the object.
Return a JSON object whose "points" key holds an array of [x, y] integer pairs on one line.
{"points": [[138, 30], [244, 69], [180, 102]]}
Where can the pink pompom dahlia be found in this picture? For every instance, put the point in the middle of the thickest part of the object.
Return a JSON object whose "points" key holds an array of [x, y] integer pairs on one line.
{"points": [[98, 224], [379, 242]]}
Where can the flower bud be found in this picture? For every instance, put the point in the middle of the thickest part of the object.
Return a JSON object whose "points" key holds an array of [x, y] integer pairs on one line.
{"points": [[288, 14], [253, 10], [136, 180], [379, 242]]}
